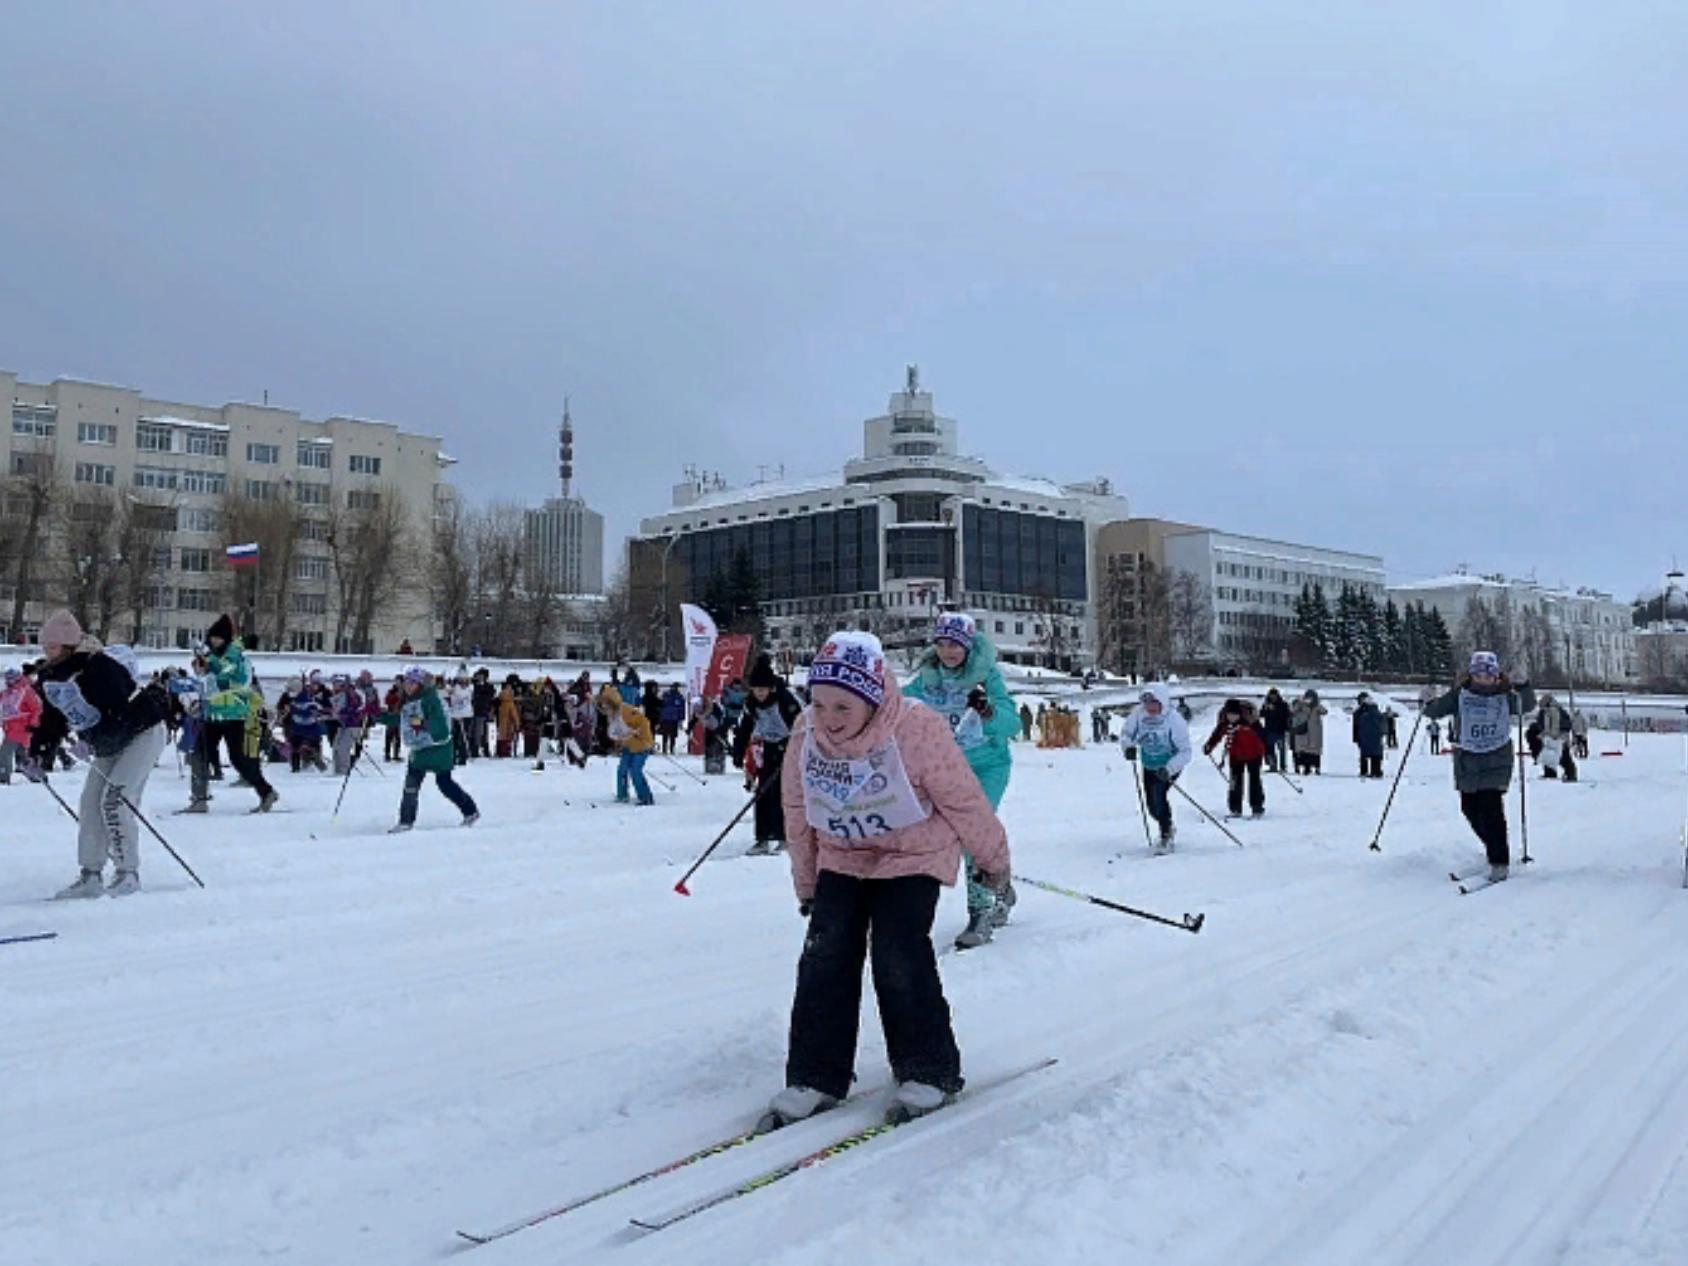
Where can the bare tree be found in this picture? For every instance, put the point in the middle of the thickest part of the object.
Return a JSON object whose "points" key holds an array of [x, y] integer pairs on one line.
{"points": [[273, 525], [33, 491], [451, 572], [1189, 613], [142, 530], [87, 540], [617, 619], [371, 563]]}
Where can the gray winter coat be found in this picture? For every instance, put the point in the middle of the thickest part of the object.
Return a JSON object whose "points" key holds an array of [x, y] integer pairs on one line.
{"points": [[1482, 771], [1310, 741]]}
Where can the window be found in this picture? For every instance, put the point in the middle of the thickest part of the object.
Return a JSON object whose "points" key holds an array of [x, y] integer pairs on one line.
{"points": [[260, 490], [304, 640], [213, 481], [263, 454], [94, 473], [151, 438], [310, 569], [32, 463], [363, 500], [208, 444], [361, 465], [198, 519], [34, 420], [195, 599], [158, 598], [308, 494], [96, 433], [155, 477], [313, 530], [196, 560], [155, 639], [155, 518], [317, 456], [308, 604]]}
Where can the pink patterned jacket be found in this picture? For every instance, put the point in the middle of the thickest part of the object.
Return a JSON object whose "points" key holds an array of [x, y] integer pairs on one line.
{"points": [[959, 815]]}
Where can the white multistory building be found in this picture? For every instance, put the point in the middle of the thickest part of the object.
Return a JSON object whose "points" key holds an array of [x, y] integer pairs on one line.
{"points": [[119, 506], [1585, 629]]}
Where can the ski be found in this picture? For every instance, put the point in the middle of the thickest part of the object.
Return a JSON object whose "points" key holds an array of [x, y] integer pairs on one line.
{"points": [[1459, 878], [845, 1143], [580, 1202], [32, 936]]}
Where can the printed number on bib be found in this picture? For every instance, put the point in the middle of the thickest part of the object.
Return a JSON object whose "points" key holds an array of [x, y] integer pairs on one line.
{"points": [[858, 826]]}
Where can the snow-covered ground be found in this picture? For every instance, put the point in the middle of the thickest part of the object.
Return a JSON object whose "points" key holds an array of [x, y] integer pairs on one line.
{"points": [[349, 1044]]}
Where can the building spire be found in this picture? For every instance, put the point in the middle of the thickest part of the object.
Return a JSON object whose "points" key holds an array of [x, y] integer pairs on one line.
{"points": [[565, 451]]}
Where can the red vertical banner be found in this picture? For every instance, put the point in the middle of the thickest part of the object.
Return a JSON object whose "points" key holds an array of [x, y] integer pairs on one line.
{"points": [[732, 654]]}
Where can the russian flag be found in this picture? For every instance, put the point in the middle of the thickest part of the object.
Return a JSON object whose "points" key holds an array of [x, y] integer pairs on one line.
{"points": [[242, 555]]}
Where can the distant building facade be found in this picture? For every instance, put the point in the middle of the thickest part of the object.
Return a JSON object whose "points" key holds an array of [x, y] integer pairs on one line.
{"points": [[908, 528], [1585, 629], [121, 507], [565, 537]]}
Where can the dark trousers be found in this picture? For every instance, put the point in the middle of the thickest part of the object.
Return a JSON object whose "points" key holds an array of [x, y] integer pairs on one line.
{"points": [[1275, 745], [1435, 744], [1256, 792], [413, 779], [1157, 793], [1307, 762], [770, 815], [392, 748], [1486, 811], [828, 1004], [233, 735], [1371, 766]]}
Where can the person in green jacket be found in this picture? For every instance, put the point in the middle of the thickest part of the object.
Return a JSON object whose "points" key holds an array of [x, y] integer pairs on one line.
{"points": [[229, 706], [427, 733], [958, 678]]}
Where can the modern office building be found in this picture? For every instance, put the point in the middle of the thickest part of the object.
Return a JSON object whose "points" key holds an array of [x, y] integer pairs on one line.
{"points": [[909, 527], [121, 506], [1586, 628]]}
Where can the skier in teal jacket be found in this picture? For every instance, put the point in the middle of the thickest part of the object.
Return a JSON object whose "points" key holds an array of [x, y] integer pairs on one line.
{"points": [[958, 678]]}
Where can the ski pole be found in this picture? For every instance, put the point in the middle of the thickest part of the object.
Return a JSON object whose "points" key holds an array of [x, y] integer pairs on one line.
{"points": [[761, 791], [1685, 807], [1523, 795], [33, 936], [1294, 786], [1216, 822], [688, 773], [1142, 805], [1189, 923], [142, 819], [341, 798], [1396, 785], [51, 792]]}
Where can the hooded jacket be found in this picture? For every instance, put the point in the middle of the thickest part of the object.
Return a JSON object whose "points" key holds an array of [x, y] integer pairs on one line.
{"points": [[20, 711], [1163, 741], [945, 691], [1483, 771], [1242, 738], [628, 725], [1368, 729], [957, 814], [1310, 738]]}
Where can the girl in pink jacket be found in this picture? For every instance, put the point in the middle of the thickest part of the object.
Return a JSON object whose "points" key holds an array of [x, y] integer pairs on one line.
{"points": [[20, 712], [879, 803]]}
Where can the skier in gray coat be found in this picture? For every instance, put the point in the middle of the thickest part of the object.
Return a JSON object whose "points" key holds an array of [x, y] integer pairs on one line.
{"points": [[1485, 703]]}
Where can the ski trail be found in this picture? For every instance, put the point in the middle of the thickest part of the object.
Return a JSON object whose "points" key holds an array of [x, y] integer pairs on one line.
{"points": [[1483, 1178]]}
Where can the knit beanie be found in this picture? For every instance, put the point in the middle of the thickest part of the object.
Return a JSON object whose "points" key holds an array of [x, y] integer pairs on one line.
{"points": [[763, 673], [60, 629], [223, 628], [854, 662], [1484, 664], [957, 627]]}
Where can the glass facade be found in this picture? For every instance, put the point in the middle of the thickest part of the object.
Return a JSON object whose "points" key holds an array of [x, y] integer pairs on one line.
{"points": [[807, 556], [1006, 552]]}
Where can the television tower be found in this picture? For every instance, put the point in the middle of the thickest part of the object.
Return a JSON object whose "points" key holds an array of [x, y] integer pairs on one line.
{"points": [[565, 450]]}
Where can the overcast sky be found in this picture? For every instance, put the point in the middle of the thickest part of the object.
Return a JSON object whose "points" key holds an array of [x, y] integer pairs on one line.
{"points": [[1412, 284]]}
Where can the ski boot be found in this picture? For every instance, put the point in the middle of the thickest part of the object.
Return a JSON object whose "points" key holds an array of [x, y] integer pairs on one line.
{"points": [[794, 1103], [399, 828], [1497, 874], [267, 801], [1004, 906], [88, 884], [123, 883], [469, 819], [980, 925], [914, 1099]]}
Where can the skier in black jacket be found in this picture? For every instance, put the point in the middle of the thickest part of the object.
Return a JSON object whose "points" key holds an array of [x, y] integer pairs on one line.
{"points": [[770, 710], [121, 728]]}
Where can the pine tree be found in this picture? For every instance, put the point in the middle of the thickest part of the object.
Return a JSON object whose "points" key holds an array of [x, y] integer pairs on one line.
{"points": [[1394, 639], [1371, 631], [1324, 627], [1345, 633], [1439, 644], [1413, 657]]}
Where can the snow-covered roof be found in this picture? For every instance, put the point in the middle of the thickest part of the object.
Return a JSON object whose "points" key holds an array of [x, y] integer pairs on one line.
{"points": [[1028, 486], [316, 439], [767, 490], [188, 424]]}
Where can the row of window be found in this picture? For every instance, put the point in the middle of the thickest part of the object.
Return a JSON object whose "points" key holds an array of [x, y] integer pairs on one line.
{"points": [[1255, 620], [38, 422], [1287, 576]]}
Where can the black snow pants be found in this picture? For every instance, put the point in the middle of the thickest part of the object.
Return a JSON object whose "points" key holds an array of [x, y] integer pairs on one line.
{"points": [[770, 814], [1256, 792], [891, 919], [1486, 811]]}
